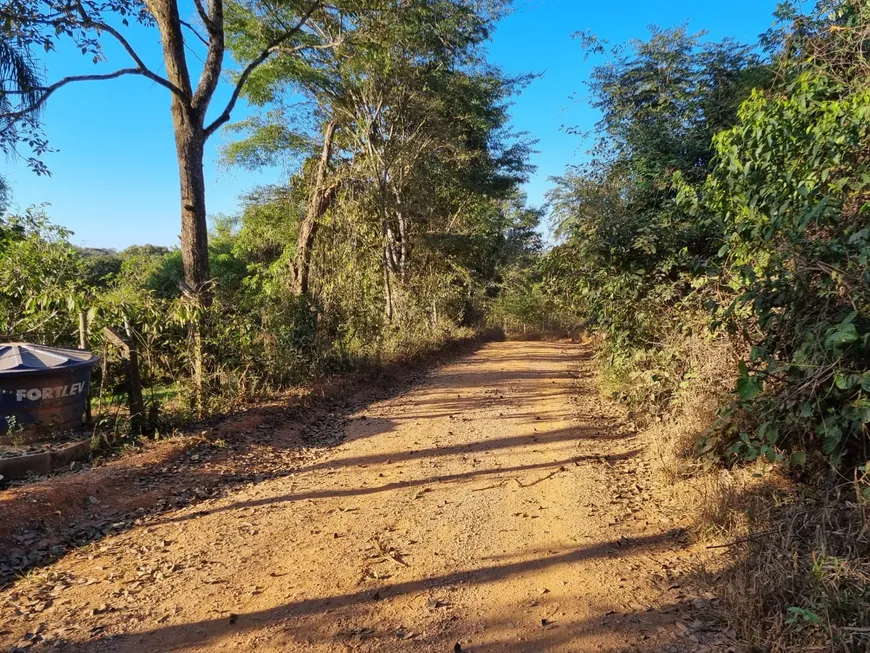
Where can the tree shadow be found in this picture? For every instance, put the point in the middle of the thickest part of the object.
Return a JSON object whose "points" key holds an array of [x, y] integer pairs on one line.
{"points": [[41, 522], [507, 472], [565, 435], [327, 619]]}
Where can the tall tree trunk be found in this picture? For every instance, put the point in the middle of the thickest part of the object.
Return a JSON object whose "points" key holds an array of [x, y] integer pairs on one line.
{"points": [[388, 255], [188, 115], [320, 200], [189, 144], [403, 237], [388, 287]]}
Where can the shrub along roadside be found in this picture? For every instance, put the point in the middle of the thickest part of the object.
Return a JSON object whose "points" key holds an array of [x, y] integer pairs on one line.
{"points": [[789, 194], [255, 344]]}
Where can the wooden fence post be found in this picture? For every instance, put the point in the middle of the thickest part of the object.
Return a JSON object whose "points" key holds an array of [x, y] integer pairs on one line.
{"points": [[83, 344], [195, 335], [127, 347]]}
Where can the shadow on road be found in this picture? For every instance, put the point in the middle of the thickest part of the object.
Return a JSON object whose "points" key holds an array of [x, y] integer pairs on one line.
{"points": [[42, 522], [326, 619]]}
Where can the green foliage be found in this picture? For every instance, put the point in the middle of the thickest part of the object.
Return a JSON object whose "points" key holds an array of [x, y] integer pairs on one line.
{"points": [[632, 263], [424, 235], [100, 268], [789, 195], [271, 142], [726, 184], [663, 99], [520, 301], [424, 173], [41, 278]]}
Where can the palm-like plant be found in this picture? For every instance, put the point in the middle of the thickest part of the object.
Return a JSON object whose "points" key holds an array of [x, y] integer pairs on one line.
{"points": [[20, 81], [21, 87]]}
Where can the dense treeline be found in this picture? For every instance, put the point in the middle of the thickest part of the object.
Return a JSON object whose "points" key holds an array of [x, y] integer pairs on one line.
{"points": [[399, 221], [727, 195], [718, 243]]}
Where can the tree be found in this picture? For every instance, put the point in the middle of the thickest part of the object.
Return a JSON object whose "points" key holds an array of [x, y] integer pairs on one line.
{"points": [[406, 89], [266, 141], [322, 195], [634, 264], [663, 99], [42, 23]]}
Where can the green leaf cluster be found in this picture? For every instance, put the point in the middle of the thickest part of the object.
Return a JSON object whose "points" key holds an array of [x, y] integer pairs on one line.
{"points": [[737, 186]]}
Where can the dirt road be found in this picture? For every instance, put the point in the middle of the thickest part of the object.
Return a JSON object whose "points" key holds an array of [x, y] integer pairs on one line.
{"points": [[498, 505]]}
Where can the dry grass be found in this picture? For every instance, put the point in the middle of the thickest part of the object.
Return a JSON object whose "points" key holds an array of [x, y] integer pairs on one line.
{"points": [[707, 385], [789, 550], [800, 579], [790, 561]]}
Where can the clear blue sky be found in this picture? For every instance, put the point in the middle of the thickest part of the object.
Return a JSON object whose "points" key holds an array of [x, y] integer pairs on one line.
{"points": [[114, 176]]}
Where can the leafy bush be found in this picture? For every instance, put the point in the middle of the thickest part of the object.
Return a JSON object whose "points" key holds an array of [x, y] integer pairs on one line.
{"points": [[790, 195], [755, 213], [633, 263]]}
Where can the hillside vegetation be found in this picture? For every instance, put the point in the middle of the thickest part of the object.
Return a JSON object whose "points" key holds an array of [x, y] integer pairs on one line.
{"points": [[717, 244]]}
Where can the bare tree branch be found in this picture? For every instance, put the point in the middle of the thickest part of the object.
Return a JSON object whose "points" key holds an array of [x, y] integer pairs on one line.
{"points": [[49, 90], [265, 54], [211, 69], [144, 70], [204, 17], [194, 31]]}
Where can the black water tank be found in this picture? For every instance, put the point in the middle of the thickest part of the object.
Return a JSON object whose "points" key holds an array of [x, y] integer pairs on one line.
{"points": [[42, 388]]}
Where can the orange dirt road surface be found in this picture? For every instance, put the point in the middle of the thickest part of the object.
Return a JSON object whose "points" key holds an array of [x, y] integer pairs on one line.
{"points": [[497, 505]]}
